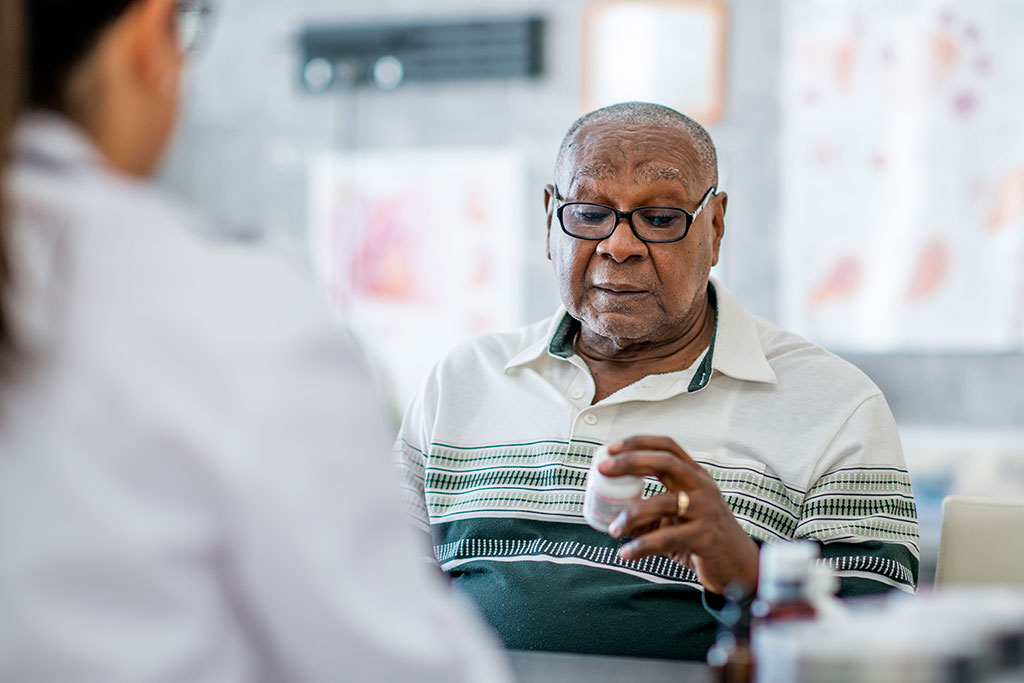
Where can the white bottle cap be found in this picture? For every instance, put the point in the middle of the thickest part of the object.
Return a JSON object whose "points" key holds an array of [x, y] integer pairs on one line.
{"points": [[784, 564]]}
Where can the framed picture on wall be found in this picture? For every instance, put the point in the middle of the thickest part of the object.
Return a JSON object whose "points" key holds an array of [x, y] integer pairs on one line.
{"points": [[671, 52]]}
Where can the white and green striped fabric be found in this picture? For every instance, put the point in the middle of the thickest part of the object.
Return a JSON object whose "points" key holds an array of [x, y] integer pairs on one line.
{"points": [[496, 448]]}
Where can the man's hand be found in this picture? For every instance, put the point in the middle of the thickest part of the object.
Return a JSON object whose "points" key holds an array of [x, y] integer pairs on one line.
{"points": [[707, 537]]}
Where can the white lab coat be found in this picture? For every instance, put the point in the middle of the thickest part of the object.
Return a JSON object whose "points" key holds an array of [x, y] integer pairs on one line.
{"points": [[195, 480]]}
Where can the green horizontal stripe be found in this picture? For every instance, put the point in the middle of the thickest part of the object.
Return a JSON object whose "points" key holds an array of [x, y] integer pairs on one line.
{"points": [[521, 444]]}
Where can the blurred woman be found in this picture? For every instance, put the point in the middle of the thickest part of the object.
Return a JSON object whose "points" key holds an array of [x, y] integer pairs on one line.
{"points": [[10, 102], [194, 478]]}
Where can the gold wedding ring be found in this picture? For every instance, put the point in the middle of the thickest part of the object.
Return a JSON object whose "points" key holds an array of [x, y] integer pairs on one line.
{"points": [[682, 503]]}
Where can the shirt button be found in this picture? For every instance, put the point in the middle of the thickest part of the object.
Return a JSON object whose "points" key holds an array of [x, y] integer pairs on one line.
{"points": [[576, 394], [590, 419]]}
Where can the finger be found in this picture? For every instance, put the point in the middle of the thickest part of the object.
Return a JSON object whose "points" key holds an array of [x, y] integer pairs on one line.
{"points": [[643, 514], [683, 559], [665, 466], [669, 540], [648, 442]]}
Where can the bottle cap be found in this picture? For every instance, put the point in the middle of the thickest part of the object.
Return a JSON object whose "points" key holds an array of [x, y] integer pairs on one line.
{"points": [[612, 487], [785, 566]]}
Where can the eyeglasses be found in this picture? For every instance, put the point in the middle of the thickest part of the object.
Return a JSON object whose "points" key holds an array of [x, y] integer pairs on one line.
{"points": [[587, 221], [192, 20]]}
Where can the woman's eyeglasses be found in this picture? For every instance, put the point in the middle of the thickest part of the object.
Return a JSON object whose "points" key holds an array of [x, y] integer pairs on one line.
{"points": [[192, 22]]}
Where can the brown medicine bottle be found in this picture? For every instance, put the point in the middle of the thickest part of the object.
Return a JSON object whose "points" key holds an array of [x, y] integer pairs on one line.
{"points": [[731, 658]]}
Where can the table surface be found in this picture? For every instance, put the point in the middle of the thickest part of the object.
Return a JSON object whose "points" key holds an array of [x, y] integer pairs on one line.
{"points": [[559, 667]]}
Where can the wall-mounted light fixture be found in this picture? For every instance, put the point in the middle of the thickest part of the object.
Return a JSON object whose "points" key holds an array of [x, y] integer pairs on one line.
{"points": [[387, 55]]}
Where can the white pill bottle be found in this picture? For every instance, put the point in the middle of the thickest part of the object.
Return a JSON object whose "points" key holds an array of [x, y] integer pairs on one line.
{"points": [[606, 497]]}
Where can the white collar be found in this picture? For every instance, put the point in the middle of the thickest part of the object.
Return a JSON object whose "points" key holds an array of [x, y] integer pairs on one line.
{"points": [[50, 139], [737, 348]]}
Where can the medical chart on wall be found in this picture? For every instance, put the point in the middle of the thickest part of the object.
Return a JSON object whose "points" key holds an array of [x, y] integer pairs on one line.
{"points": [[419, 250], [902, 174]]}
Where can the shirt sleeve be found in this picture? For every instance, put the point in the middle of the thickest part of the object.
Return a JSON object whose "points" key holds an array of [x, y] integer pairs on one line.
{"points": [[410, 451], [860, 505], [322, 550]]}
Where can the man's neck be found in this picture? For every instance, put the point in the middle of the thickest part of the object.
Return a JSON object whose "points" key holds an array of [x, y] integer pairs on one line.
{"points": [[614, 366]]}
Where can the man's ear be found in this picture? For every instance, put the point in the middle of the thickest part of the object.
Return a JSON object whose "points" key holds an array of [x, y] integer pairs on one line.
{"points": [[549, 211], [154, 47], [718, 206]]}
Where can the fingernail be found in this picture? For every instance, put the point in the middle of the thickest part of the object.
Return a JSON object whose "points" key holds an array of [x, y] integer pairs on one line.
{"points": [[615, 528], [626, 551]]}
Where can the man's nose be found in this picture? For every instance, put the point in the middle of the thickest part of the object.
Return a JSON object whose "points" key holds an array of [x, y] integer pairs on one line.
{"points": [[622, 243]]}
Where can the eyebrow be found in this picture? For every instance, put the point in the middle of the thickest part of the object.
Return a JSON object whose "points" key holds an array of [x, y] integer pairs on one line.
{"points": [[654, 172], [593, 171]]}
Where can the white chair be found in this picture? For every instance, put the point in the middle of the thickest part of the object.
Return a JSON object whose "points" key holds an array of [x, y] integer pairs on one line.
{"points": [[982, 542]]}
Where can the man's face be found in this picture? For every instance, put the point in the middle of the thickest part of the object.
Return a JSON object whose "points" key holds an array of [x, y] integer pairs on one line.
{"points": [[622, 289]]}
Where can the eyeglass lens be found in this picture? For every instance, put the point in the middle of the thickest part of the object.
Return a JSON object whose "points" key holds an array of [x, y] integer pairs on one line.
{"points": [[191, 22], [591, 221]]}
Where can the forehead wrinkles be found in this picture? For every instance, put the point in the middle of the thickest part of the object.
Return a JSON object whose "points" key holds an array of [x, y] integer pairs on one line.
{"points": [[646, 173], [632, 155]]}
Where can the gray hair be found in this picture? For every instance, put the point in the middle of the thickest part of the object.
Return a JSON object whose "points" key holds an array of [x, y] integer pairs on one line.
{"points": [[646, 114]]}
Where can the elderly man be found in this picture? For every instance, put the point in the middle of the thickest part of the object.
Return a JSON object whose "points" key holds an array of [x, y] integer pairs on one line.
{"points": [[746, 433]]}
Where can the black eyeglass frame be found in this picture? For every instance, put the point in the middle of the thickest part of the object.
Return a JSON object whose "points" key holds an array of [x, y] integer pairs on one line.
{"points": [[628, 215]]}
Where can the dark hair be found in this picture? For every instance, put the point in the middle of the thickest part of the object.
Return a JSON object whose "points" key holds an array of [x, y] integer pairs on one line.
{"points": [[61, 33], [10, 104], [41, 43]]}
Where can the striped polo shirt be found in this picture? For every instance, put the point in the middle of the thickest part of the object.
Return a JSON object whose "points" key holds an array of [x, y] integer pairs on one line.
{"points": [[496, 447]]}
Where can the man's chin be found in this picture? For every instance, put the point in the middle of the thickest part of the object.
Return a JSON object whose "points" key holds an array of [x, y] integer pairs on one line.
{"points": [[623, 329]]}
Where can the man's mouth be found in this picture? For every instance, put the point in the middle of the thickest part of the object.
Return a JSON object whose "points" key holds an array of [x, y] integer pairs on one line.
{"points": [[620, 290]]}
